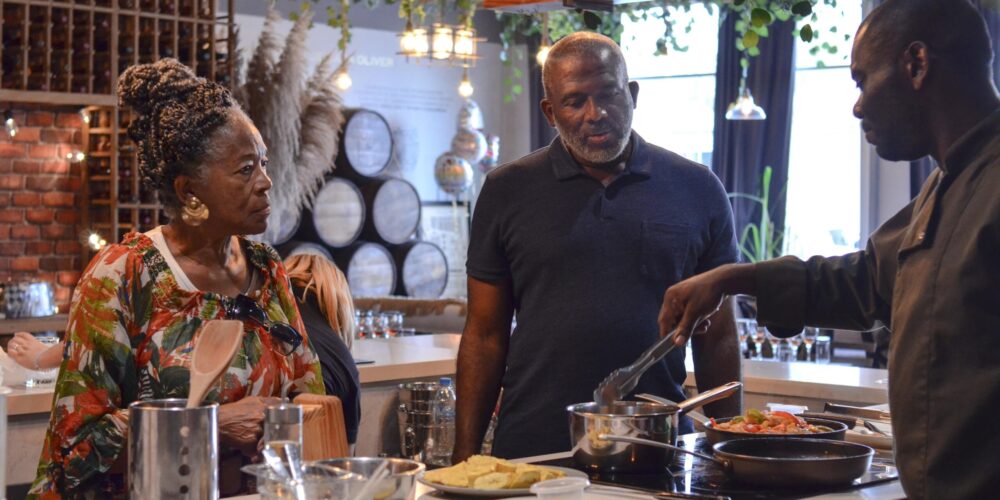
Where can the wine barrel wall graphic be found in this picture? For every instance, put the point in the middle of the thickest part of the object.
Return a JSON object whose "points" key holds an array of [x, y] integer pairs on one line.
{"points": [[286, 224], [304, 247], [369, 267], [366, 144], [337, 215], [422, 270], [392, 210]]}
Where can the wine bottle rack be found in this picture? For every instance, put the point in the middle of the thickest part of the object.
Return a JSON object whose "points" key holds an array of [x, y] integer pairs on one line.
{"points": [[72, 52]]}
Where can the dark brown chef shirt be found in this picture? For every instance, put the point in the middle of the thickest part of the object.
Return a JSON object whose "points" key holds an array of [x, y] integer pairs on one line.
{"points": [[932, 273]]}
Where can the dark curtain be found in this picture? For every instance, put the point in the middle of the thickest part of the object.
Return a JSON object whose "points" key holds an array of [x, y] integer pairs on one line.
{"points": [[922, 168], [541, 132], [744, 148]]}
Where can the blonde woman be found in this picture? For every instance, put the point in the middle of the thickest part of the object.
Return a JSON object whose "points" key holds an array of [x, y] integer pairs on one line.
{"points": [[325, 304]]}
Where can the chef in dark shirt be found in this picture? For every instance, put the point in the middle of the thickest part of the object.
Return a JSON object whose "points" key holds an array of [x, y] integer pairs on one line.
{"points": [[931, 272], [327, 310]]}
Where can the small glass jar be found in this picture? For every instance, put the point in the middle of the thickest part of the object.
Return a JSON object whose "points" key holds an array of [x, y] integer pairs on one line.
{"points": [[283, 426]]}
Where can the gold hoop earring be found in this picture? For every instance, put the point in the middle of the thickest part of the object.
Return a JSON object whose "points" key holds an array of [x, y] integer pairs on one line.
{"points": [[194, 212]]}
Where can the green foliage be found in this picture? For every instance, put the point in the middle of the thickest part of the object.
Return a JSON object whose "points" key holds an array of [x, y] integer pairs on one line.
{"points": [[760, 240], [755, 16]]}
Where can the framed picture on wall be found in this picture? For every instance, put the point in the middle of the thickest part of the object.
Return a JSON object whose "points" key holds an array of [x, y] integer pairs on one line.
{"points": [[447, 225]]}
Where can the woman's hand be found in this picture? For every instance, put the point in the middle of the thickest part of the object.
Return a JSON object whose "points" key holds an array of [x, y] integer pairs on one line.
{"points": [[241, 424], [26, 350]]}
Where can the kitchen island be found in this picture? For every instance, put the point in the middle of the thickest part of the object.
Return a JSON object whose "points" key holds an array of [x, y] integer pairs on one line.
{"points": [[428, 357]]}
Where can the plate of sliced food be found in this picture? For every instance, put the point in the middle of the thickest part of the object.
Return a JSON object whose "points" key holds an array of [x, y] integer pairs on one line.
{"points": [[485, 476]]}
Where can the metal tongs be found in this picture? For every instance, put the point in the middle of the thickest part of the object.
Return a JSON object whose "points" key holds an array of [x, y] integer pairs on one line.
{"points": [[623, 380]]}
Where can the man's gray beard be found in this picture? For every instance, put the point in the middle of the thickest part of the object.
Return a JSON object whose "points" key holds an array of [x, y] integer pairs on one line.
{"points": [[579, 149]]}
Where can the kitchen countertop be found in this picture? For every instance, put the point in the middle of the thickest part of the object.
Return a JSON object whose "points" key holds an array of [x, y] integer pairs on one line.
{"points": [[891, 490], [428, 356]]}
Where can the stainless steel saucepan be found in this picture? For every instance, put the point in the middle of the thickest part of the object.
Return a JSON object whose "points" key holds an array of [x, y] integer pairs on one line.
{"points": [[653, 421]]}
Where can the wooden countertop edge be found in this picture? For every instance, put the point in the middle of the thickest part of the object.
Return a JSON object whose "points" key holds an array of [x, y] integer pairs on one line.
{"points": [[21, 402], [375, 373]]}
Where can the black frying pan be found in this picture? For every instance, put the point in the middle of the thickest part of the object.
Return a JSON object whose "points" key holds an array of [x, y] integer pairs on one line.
{"points": [[781, 463]]}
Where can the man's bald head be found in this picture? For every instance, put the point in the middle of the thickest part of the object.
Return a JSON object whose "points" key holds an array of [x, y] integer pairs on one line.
{"points": [[581, 45], [953, 31]]}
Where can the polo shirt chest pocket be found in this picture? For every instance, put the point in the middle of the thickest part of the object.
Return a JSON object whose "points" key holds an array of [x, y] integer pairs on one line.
{"points": [[665, 251]]}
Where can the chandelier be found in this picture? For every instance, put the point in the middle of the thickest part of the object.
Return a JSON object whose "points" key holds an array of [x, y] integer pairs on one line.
{"points": [[455, 45]]}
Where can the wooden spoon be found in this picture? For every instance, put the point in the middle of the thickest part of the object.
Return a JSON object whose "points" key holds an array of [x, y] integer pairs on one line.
{"points": [[214, 350]]}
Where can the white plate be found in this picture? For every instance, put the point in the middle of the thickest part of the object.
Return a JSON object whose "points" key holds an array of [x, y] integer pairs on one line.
{"points": [[473, 492], [601, 492], [877, 441]]}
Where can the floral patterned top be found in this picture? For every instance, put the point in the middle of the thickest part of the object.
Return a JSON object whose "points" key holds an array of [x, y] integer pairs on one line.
{"points": [[130, 337]]}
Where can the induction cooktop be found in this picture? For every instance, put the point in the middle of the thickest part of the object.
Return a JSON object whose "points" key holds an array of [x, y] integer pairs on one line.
{"points": [[688, 474]]}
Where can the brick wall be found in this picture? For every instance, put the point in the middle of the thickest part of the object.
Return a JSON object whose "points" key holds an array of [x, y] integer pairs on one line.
{"points": [[39, 210]]}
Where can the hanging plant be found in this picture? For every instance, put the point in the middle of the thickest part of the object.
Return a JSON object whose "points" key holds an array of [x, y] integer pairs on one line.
{"points": [[755, 17]]}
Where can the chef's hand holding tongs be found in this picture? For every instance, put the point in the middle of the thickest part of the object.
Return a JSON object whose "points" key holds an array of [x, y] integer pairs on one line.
{"points": [[689, 305]]}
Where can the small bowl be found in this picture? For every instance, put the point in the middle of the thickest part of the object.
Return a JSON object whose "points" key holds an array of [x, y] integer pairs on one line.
{"points": [[567, 488], [398, 486]]}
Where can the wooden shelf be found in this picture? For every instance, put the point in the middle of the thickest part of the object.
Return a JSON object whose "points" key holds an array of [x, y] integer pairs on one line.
{"points": [[55, 323], [142, 31]]}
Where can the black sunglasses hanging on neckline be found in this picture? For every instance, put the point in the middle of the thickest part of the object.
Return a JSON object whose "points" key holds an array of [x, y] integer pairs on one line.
{"points": [[246, 309]]}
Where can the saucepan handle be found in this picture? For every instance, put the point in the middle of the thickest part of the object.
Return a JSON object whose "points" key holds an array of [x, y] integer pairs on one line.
{"points": [[721, 392], [649, 442], [700, 419]]}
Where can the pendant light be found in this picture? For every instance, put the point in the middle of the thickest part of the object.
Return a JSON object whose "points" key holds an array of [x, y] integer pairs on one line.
{"points": [[744, 107]]}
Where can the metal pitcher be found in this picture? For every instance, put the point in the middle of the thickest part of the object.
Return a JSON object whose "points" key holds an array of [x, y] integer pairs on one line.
{"points": [[173, 451], [414, 415]]}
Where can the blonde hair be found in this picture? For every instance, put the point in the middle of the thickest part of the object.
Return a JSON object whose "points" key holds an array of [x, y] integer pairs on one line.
{"points": [[317, 274]]}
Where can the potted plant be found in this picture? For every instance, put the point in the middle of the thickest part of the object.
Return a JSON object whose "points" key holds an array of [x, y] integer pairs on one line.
{"points": [[760, 240]]}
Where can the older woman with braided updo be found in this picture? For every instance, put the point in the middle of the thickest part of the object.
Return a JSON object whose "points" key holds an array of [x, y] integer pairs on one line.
{"points": [[136, 312]]}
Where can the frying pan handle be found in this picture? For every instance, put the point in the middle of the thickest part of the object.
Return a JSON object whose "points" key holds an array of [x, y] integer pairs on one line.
{"points": [[721, 392], [657, 444]]}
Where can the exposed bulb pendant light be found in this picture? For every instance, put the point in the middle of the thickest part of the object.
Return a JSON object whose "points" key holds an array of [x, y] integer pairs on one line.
{"points": [[744, 107], [408, 39], [342, 80], [543, 46], [442, 42], [9, 124], [421, 47], [465, 88]]}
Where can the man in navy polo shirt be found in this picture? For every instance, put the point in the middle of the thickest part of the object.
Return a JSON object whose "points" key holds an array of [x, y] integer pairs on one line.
{"points": [[582, 238]]}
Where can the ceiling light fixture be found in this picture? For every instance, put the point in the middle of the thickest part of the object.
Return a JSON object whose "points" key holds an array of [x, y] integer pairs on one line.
{"points": [[465, 88], [543, 44], [744, 107]]}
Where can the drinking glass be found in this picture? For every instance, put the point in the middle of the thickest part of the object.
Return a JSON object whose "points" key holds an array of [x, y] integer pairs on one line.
{"points": [[775, 342], [824, 350], [365, 320], [744, 329], [759, 334], [809, 335], [794, 342], [394, 324], [380, 326]]}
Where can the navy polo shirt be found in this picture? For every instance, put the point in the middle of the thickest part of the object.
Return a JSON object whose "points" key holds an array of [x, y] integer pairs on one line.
{"points": [[589, 265]]}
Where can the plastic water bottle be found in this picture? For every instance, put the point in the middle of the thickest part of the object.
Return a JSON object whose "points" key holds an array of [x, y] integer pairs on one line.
{"points": [[443, 433]]}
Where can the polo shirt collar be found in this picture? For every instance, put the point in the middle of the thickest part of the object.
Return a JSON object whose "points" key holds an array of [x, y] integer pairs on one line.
{"points": [[564, 166]]}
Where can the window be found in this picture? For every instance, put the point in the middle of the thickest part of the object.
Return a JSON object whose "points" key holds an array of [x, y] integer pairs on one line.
{"points": [[676, 102], [823, 213]]}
